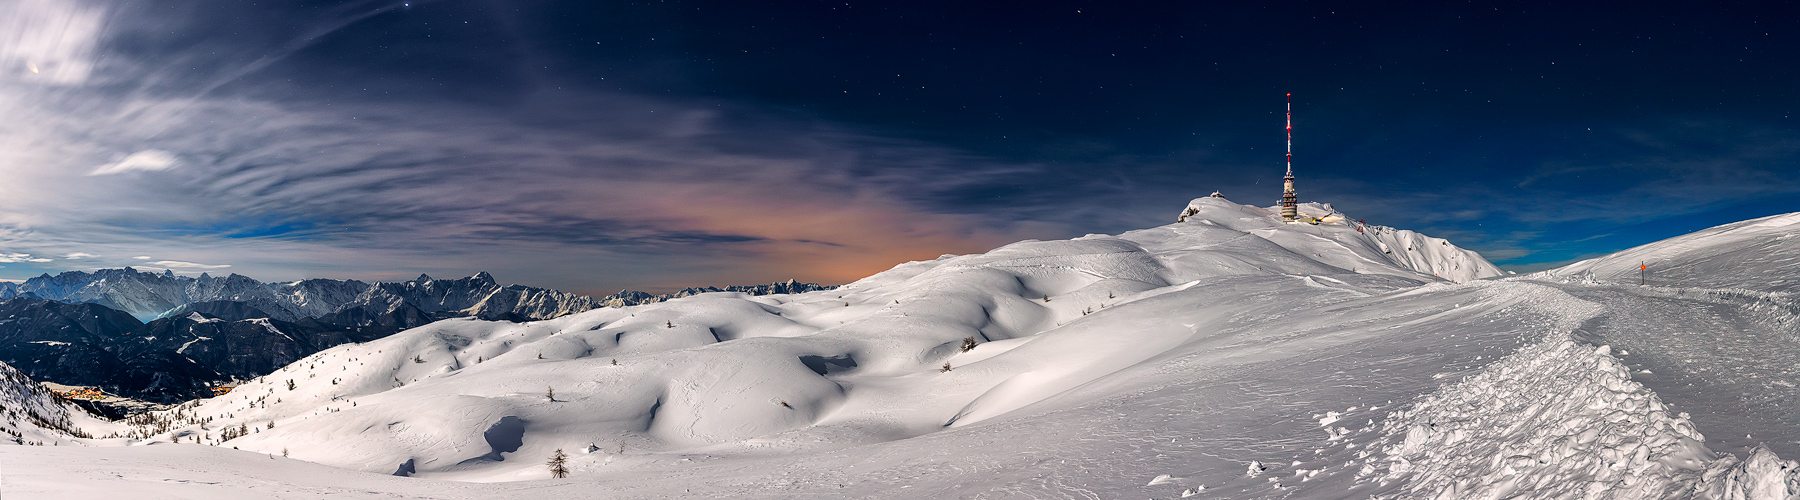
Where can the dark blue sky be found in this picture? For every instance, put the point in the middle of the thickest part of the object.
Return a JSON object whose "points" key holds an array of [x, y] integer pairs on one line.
{"points": [[596, 145]]}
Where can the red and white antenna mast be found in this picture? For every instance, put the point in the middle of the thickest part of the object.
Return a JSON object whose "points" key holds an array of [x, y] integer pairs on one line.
{"points": [[1289, 210]]}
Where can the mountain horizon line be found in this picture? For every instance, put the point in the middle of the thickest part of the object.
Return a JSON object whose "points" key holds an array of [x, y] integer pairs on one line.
{"points": [[166, 272]]}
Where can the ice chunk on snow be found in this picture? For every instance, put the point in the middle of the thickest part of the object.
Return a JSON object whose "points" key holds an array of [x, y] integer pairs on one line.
{"points": [[1330, 416]]}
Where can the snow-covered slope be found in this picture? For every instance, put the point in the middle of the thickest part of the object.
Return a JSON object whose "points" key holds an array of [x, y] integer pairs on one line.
{"points": [[32, 415], [1226, 356], [1737, 255]]}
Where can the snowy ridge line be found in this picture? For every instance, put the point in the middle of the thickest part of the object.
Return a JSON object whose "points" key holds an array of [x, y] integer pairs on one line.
{"points": [[1558, 419], [1745, 254]]}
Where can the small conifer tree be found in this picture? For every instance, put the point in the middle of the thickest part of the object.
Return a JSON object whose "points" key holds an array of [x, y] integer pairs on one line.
{"points": [[558, 464]]}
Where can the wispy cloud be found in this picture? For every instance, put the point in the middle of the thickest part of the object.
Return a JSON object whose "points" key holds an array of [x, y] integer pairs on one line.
{"points": [[149, 160], [21, 257], [50, 41], [176, 129], [176, 264], [581, 191]]}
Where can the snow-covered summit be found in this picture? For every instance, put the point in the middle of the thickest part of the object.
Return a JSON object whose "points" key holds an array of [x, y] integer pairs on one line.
{"points": [[1343, 242]]}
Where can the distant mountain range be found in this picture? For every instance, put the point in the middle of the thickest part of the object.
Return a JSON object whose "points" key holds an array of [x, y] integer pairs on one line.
{"points": [[82, 328], [148, 296]]}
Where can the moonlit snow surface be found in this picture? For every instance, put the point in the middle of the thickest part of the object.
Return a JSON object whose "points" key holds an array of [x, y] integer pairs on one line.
{"points": [[1226, 356]]}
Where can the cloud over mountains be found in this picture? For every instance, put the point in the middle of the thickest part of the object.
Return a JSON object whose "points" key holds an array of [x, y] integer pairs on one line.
{"points": [[122, 148]]}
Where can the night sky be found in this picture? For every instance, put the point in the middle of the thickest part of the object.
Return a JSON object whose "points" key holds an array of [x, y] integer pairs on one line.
{"points": [[596, 145]]}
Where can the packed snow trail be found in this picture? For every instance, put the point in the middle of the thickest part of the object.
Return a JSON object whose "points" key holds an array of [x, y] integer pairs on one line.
{"points": [[1732, 359], [1716, 331]]}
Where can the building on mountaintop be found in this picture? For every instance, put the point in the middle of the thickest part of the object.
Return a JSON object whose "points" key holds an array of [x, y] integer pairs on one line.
{"points": [[1289, 210]]}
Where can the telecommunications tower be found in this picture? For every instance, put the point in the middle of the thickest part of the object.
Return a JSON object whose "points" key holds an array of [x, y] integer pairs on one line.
{"points": [[1288, 211]]}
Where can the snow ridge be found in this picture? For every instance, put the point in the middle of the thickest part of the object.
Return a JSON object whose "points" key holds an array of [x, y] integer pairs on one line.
{"points": [[1736, 255]]}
